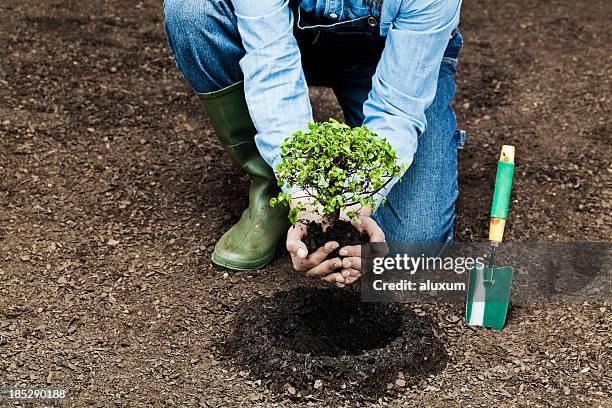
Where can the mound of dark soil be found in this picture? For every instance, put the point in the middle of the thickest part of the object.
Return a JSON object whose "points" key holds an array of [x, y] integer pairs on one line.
{"points": [[326, 341], [343, 232]]}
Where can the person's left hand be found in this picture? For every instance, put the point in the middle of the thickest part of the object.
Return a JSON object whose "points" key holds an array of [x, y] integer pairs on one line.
{"points": [[352, 263]]}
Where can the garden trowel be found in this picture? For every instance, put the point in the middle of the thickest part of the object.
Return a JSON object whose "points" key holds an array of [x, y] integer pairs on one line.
{"points": [[489, 286]]}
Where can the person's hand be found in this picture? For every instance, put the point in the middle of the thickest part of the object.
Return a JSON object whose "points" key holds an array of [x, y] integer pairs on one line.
{"points": [[314, 264], [352, 261]]}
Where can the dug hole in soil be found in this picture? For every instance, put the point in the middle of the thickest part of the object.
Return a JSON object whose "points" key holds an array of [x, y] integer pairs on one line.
{"points": [[325, 342]]}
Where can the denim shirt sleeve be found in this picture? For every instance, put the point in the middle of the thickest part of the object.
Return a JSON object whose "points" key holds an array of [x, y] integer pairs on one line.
{"points": [[405, 81], [274, 82]]}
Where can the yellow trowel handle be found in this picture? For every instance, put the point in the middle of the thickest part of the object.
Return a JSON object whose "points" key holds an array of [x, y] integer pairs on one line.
{"points": [[501, 196]]}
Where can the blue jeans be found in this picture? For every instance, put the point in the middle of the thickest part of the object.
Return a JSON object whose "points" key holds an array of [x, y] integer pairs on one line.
{"points": [[204, 39]]}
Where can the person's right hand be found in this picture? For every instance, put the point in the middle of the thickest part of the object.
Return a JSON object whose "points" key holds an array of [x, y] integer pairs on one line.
{"points": [[314, 264]]}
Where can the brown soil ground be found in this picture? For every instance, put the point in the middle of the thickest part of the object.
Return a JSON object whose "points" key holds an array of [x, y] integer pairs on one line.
{"points": [[113, 191]]}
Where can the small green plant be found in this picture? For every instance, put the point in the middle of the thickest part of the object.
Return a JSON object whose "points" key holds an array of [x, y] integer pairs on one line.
{"points": [[337, 167]]}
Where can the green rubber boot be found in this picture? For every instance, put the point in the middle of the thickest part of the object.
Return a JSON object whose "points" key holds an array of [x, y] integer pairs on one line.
{"points": [[251, 242]]}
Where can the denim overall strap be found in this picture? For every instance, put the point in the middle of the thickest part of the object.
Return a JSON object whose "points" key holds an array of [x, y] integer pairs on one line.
{"points": [[309, 22], [374, 4], [337, 49]]}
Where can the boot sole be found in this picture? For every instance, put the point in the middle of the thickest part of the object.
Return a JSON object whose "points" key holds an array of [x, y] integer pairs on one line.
{"points": [[236, 265]]}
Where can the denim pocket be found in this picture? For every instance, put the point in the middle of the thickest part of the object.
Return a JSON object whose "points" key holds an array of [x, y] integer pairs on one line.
{"points": [[349, 51], [338, 52], [353, 46]]}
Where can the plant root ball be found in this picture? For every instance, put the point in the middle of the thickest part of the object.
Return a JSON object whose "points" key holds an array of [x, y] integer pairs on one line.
{"points": [[343, 232], [326, 342]]}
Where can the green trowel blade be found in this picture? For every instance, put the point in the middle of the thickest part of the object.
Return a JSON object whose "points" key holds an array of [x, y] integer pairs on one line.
{"points": [[488, 297]]}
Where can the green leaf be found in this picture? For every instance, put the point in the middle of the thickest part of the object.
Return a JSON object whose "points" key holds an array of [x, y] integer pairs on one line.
{"points": [[293, 215], [338, 165]]}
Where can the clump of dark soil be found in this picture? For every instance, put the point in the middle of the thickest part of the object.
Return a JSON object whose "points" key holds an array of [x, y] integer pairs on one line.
{"points": [[314, 341], [341, 231]]}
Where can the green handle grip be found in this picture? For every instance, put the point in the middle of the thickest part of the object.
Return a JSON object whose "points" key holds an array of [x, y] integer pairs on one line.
{"points": [[503, 187]]}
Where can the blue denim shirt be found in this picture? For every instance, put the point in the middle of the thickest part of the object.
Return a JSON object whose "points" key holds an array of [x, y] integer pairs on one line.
{"points": [[403, 85]]}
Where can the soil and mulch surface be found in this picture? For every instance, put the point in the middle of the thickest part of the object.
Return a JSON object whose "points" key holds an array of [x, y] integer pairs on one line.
{"points": [[113, 192]]}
